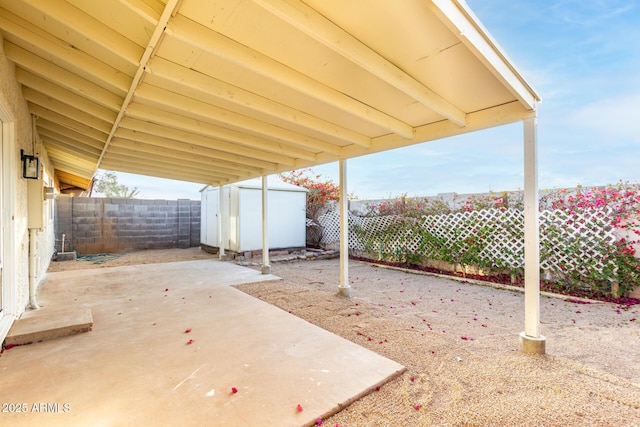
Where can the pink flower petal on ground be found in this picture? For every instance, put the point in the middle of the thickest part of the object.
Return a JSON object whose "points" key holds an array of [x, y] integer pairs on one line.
{"points": [[166, 290], [417, 406], [234, 390], [412, 379], [319, 422], [299, 408], [187, 330], [190, 342]]}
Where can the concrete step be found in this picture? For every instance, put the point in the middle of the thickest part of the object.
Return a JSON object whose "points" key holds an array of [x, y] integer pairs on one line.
{"points": [[44, 324]]}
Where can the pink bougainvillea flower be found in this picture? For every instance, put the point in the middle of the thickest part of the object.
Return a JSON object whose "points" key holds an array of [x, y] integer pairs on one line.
{"points": [[319, 421], [417, 406], [299, 408], [166, 290], [187, 330], [234, 390], [378, 388], [190, 342], [412, 379]]}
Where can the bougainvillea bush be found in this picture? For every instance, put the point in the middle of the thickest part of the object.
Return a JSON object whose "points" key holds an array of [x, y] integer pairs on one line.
{"points": [[321, 192], [580, 251]]}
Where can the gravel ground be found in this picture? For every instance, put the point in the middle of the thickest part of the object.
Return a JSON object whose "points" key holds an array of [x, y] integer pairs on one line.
{"points": [[131, 258], [459, 343]]}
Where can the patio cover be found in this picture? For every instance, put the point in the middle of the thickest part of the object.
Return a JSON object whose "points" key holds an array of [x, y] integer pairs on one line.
{"points": [[218, 91]]}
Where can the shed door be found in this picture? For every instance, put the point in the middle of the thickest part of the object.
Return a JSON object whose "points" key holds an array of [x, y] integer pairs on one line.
{"points": [[209, 215]]}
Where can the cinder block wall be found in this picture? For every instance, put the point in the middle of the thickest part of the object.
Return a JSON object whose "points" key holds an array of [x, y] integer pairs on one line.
{"points": [[104, 225]]}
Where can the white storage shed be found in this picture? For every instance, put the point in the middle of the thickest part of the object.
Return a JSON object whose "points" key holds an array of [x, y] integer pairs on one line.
{"points": [[242, 215]]}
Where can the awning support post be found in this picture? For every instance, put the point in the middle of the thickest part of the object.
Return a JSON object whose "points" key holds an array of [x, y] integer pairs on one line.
{"points": [[531, 341], [266, 267], [221, 228], [344, 289]]}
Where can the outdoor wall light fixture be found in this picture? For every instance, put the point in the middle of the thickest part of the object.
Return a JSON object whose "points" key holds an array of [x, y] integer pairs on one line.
{"points": [[30, 166]]}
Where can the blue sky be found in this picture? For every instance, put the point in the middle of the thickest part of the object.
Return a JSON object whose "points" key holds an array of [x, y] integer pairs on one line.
{"points": [[582, 57]]}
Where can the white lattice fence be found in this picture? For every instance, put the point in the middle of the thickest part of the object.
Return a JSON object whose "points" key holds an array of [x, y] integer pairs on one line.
{"points": [[569, 240], [575, 240]]}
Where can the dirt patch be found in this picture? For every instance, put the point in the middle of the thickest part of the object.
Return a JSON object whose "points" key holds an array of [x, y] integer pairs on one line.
{"points": [[459, 342], [131, 258]]}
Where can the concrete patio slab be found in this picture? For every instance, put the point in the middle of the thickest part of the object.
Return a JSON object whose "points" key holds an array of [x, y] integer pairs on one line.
{"points": [[139, 366]]}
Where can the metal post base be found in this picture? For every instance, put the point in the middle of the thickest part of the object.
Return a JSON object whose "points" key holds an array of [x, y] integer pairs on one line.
{"points": [[344, 291], [531, 345]]}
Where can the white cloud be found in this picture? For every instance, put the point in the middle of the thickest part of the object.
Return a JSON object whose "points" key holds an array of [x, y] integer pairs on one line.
{"points": [[611, 118]]}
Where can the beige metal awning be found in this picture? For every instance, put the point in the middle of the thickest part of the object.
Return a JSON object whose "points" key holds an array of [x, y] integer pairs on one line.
{"points": [[217, 91]]}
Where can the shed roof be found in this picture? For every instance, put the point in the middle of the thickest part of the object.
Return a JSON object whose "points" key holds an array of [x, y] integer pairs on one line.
{"points": [[219, 91], [274, 184]]}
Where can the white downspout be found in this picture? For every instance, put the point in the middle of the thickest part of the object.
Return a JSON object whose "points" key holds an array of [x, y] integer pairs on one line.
{"points": [[33, 267]]}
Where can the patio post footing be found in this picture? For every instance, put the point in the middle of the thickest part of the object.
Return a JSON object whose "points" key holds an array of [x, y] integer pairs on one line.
{"points": [[266, 269], [344, 291], [532, 345], [222, 257]]}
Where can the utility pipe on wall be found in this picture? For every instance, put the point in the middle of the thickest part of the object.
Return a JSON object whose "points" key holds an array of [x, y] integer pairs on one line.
{"points": [[33, 268]]}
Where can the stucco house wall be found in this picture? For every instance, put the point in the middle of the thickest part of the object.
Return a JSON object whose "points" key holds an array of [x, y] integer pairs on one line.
{"points": [[15, 217]]}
